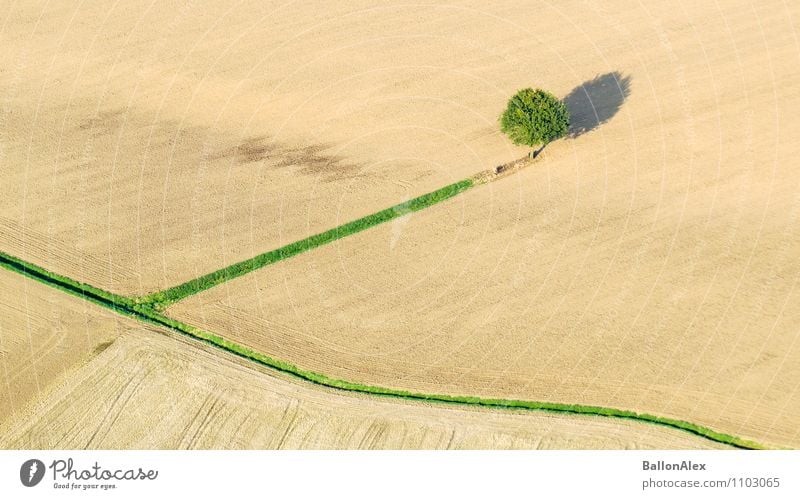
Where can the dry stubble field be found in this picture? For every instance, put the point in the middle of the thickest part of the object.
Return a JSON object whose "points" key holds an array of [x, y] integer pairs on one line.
{"points": [[649, 264], [83, 377], [146, 143], [45, 335]]}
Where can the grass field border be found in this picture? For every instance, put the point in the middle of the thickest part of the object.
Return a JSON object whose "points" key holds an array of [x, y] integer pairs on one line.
{"points": [[71, 286], [149, 314], [164, 298]]}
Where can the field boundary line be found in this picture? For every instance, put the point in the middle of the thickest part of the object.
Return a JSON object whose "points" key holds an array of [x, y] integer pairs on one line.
{"points": [[149, 314], [162, 299]]}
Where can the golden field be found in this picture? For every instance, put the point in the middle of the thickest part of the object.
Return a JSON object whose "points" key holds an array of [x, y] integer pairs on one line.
{"points": [[151, 143], [142, 388], [648, 262], [45, 336]]}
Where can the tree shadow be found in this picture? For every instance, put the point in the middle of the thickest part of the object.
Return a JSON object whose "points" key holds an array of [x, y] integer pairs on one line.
{"points": [[596, 101]]}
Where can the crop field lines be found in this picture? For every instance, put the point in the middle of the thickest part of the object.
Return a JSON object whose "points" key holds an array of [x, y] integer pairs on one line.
{"points": [[149, 309], [164, 298], [172, 392], [178, 168]]}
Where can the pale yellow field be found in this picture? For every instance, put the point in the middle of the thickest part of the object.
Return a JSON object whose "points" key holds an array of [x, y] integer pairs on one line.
{"points": [[146, 143], [96, 380], [650, 264], [155, 392], [45, 335]]}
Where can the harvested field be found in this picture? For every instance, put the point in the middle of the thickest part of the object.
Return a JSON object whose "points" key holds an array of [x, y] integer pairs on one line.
{"points": [[150, 391], [45, 335], [149, 316], [156, 142], [650, 264]]}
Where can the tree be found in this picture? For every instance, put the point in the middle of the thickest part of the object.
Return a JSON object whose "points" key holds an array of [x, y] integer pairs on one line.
{"points": [[533, 118]]}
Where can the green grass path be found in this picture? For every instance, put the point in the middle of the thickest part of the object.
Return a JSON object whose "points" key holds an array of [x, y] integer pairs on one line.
{"points": [[162, 299]]}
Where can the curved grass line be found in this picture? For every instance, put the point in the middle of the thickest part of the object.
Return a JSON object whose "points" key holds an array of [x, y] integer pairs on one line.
{"points": [[164, 298], [147, 313]]}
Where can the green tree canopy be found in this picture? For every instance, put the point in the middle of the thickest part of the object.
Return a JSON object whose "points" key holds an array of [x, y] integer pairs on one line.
{"points": [[534, 117]]}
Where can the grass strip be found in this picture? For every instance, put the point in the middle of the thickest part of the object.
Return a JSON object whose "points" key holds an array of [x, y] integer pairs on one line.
{"points": [[148, 314], [71, 286], [162, 299]]}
